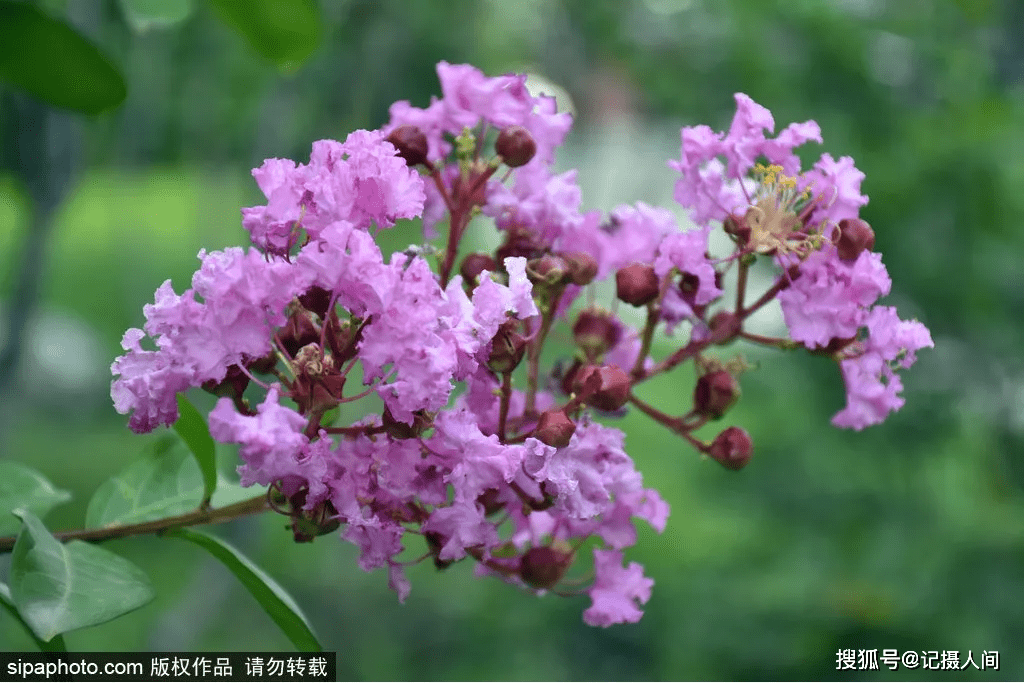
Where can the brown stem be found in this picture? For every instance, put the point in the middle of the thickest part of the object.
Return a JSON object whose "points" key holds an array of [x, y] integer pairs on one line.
{"points": [[533, 355], [779, 285], [653, 316], [678, 425], [741, 284], [243, 508], [777, 342], [506, 395]]}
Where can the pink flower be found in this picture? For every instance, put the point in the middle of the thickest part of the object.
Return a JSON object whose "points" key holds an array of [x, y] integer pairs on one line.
{"points": [[470, 97], [360, 181], [616, 591], [830, 298], [872, 385], [272, 442]]}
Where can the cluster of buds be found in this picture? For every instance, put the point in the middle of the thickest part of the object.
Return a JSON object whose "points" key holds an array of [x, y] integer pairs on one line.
{"points": [[515, 471]]}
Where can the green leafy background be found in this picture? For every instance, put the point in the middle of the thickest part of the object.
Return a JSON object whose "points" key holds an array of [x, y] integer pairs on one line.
{"points": [[908, 536]]}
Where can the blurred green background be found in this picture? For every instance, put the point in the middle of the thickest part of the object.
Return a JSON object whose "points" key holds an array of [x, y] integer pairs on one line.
{"points": [[909, 535]]}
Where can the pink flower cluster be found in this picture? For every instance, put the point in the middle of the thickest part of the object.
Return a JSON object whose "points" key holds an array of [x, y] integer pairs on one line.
{"points": [[472, 447]]}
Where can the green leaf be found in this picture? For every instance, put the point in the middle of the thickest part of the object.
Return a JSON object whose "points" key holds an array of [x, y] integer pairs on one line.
{"points": [[54, 62], [144, 15], [23, 487], [56, 644], [284, 31], [166, 483], [58, 588], [274, 600], [191, 427]]}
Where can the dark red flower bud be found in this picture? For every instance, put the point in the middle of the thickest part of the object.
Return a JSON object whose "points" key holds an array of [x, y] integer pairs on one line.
{"points": [[547, 270], [737, 228], [543, 567], [516, 146], [732, 448], [595, 332], [855, 236], [637, 284], [411, 144], [715, 393], [520, 242], [308, 524], [605, 387], [555, 428], [474, 264], [582, 267], [725, 326], [507, 348]]}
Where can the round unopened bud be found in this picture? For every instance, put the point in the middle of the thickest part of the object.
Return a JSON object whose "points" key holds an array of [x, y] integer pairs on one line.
{"points": [[596, 331], [732, 448], [474, 264], [637, 284], [605, 387], [308, 524], [520, 242], [855, 236], [582, 267], [507, 348], [543, 567], [516, 146], [555, 428], [724, 326], [737, 228], [548, 269], [715, 393], [411, 144]]}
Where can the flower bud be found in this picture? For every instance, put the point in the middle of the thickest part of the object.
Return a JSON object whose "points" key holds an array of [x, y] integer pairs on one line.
{"points": [[543, 566], [474, 264], [520, 242], [605, 387], [596, 331], [582, 267], [507, 348], [547, 270], [715, 393], [855, 236], [308, 524], [637, 284], [411, 144], [554, 428], [737, 228], [516, 146], [732, 448], [724, 327]]}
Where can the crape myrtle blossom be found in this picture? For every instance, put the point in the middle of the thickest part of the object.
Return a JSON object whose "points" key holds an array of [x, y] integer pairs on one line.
{"points": [[470, 448]]}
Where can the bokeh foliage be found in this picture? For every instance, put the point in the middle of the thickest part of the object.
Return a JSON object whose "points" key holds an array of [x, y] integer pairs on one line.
{"points": [[909, 535]]}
